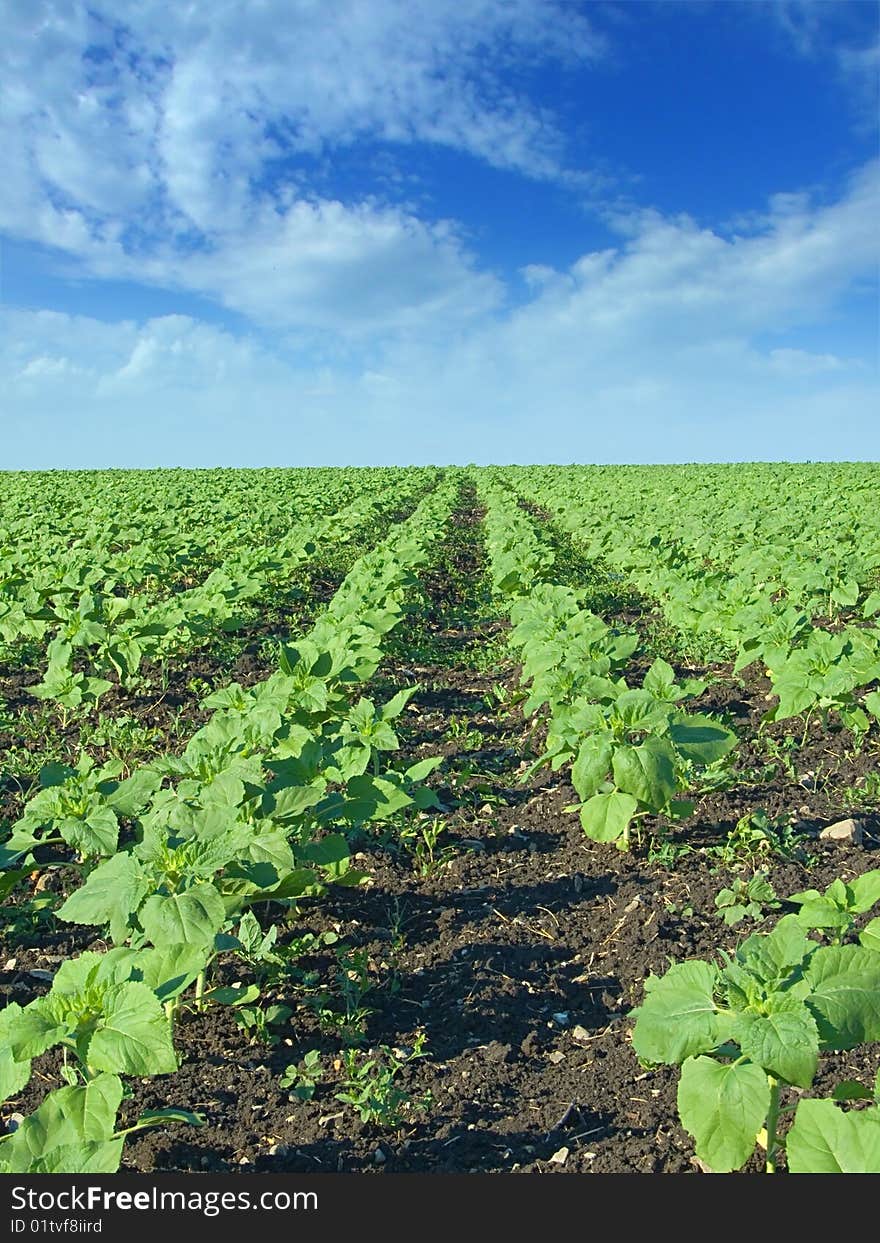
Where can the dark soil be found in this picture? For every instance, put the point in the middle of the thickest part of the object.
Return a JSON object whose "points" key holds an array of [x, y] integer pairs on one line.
{"points": [[518, 953]]}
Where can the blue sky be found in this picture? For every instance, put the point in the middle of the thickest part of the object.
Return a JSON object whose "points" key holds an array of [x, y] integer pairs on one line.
{"points": [[387, 231]]}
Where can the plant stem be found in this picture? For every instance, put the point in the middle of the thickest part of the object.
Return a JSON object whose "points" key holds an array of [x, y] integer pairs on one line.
{"points": [[200, 989], [772, 1124]]}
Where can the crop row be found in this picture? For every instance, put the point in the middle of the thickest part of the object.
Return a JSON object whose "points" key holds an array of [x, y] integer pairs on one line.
{"points": [[172, 858], [744, 1031], [779, 565], [632, 750], [98, 628]]}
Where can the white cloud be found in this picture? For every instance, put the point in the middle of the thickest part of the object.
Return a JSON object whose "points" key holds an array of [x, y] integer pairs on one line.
{"points": [[803, 363], [42, 366], [846, 35], [676, 342], [175, 392], [164, 143], [801, 20], [326, 268]]}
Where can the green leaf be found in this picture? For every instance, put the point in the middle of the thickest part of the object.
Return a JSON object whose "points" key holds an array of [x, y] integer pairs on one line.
{"points": [[132, 795], [820, 913], [225, 790], [393, 708], [70, 1132], [785, 1042], [845, 994], [639, 710], [794, 696], [250, 935], [192, 917], [290, 802], [78, 1158], [153, 1117], [96, 834], [679, 1016], [134, 1036], [826, 1140], [92, 1107], [115, 888], [870, 935], [865, 891], [274, 848], [424, 798], [734, 914], [233, 996], [12, 877], [96, 687], [327, 852], [371, 798], [660, 679], [294, 885], [605, 817], [772, 956], [838, 893], [423, 768], [47, 1127], [34, 1029], [14, 1075], [75, 974], [646, 771], [701, 739], [723, 1107], [116, 966], [850, 1090], [805, 895], [592, 765], [845, 593], [55, 774], [170, 969]]}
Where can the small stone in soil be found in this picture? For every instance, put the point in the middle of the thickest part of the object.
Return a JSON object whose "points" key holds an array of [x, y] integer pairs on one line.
{"points": [[496, 1052], [846, 832]]}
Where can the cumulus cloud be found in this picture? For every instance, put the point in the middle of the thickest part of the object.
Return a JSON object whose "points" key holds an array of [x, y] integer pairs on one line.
{"points": [[175, 145], [181, 147], [324, 267], [172, 390], [184, 146], [176, 392], [664, 347]]}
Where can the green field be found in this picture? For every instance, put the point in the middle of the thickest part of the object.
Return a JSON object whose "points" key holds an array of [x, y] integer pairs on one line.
{"points": [[441, 819]]}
